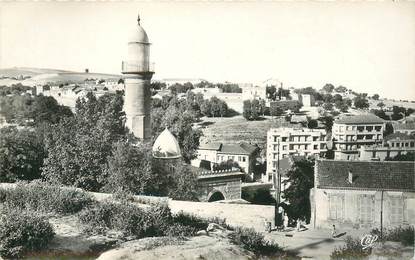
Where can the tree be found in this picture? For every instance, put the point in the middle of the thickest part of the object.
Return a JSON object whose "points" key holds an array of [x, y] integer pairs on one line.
{"points": [[328, 106], [388, 129], [381, 104], [312, 124], [409, 157], [328, 122], [375, 97], [130, 169], [21, 154], [271, 92], [328, 88], [276, 110], [252, 109], [183, 185], [361, 102], [78, 147], [300, 179], [340, 89]]}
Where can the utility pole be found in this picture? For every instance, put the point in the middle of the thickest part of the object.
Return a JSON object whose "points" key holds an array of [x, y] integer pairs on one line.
{"points": [[381, 215], [276, 184]]}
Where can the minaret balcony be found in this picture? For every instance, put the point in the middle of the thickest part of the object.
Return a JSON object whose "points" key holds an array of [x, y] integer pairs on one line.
{"points": [[137, 67]]}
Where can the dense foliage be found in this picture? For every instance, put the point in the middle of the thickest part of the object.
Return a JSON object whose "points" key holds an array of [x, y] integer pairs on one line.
{"points": [[351, 250], [301, 179], [253, 110], [156, 220], [21, 154], [403, 234], [276, 94], [78, 147], [44, 198], [23, 232], [255, 242], [409, 157]]}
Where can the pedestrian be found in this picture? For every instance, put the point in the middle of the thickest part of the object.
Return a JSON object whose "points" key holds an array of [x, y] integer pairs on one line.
{"points": [[333, 233], [298, 225], [285, 220]]}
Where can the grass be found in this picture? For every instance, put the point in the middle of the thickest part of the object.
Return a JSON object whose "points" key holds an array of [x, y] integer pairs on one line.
{"points": [[404, 235]]}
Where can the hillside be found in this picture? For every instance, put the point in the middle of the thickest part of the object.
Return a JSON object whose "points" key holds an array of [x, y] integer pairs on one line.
{"points": [[34, 76]]}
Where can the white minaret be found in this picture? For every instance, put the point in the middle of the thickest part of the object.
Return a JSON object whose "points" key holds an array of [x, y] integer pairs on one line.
{"points": [[137, 72]]}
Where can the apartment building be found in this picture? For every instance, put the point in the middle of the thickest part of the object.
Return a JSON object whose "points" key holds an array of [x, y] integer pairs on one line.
{"points": [[393, 145], [352, 132], [283, 142]]}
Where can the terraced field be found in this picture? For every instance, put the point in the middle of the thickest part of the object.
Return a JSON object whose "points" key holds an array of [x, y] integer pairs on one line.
{"points": [[236, 129]]}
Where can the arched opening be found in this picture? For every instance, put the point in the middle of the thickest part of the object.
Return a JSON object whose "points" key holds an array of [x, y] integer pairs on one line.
{"points": [[217, 195]]}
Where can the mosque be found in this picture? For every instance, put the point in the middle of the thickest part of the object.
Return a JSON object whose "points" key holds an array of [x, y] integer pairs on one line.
{"points": [[138, 71]]}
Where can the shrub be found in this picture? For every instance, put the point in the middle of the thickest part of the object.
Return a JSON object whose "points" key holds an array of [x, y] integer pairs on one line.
{"points": [[255, 242], [351, 250], [405, 235], [126, 218], [45, 198], [22, 232]]}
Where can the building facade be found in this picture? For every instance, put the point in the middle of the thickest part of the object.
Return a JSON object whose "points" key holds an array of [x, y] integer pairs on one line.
{"points": [[283, 142], [215, 153], [393, 145], [352, 132], [360, 194], [404, 128]]}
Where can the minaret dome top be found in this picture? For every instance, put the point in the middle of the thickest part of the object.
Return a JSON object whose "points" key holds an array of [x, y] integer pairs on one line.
{"points": [[138, 34]]}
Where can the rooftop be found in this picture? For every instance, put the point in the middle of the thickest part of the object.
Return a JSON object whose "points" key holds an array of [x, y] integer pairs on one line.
{"points": [[241, 148], [367, 175], [360, 119]]}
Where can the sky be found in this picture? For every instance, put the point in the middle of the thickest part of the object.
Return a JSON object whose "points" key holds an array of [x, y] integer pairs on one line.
{"points": [[366, 46]]}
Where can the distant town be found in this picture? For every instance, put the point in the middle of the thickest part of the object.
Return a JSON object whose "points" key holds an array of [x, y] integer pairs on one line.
{"points": [[106, 161]]}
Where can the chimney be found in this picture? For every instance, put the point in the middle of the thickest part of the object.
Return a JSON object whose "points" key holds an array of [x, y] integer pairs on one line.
{"points": [[350, 177]]}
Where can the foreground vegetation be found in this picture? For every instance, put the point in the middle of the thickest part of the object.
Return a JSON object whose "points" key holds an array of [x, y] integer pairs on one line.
{"points": [[25, 229]]}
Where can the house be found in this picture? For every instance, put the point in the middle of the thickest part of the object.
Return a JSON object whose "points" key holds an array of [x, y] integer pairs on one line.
{"points": [[352, 132], [405, 128], [284, 142], [393, 145], [215, 153], [363, 194], [307, 100]]}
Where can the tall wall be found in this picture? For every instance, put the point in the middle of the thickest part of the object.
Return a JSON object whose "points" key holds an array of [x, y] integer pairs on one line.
{"points": [[352, 213], [230, 187]]}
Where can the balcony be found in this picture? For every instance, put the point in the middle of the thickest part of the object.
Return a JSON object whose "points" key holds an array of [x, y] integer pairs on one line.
{"points": [[136, 67]]}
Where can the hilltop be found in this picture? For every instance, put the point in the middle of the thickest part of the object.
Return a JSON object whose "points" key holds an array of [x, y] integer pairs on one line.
{"points": [[34, 76]]}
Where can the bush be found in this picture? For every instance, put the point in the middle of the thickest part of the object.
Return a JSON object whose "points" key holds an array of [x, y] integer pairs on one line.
{"points": [[22, 232], [255, 242], [352, 250], [405, 235], [45, 198], [126, 218]]}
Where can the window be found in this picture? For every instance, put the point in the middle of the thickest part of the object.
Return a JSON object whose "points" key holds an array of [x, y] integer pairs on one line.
{"points": [[315, 138], [369, 137], [396, 209], [284, 139], [360, 128], [243, 158], [275, 138], [335, 207], [315, 147], [284, 147], [366, 207], [239, 158], [369, 128], [398, 144], [275, 147], [378, 128], [360, 137]]}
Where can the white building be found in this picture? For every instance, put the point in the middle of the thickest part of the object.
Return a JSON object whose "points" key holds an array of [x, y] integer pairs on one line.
{"points": [[282, 142], [251, 91], [352, 132]]}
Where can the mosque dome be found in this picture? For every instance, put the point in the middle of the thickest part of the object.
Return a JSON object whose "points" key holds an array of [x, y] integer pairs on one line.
{"points": [[138, 34], [166, 146]]}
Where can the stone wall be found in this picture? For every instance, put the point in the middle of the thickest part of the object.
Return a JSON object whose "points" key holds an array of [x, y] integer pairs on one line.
{"points": [[247, 215]]}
